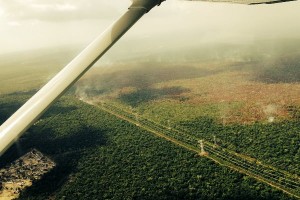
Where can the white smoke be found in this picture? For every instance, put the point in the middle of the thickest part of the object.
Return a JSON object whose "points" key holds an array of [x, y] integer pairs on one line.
{"points": [[270, 111]]}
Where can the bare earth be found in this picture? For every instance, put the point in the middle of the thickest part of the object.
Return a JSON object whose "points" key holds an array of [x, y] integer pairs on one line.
{"points": [[20, 174]]}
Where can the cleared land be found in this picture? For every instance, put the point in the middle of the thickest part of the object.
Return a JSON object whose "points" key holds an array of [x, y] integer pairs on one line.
{"points": [[218, 90]]}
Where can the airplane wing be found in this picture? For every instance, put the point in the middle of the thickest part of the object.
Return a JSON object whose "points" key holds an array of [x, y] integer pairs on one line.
{"points": [[23, 118], [248, 2]]}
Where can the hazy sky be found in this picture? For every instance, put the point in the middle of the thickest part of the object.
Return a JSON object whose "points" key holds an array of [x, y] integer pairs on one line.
{"points": [[31, 24]]}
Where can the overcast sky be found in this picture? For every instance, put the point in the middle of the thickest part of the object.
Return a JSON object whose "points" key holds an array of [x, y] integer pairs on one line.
{"points": [[32, 24]]}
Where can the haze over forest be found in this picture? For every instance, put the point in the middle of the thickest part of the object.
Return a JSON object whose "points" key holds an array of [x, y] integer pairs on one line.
{"points": [[175, 25]]}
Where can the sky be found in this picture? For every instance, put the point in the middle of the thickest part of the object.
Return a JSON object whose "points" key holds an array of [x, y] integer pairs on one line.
{"points": [[34, 24]]}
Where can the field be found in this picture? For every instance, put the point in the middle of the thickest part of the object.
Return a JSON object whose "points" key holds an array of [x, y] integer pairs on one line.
{"points": [[229, 92], [26, 71]]}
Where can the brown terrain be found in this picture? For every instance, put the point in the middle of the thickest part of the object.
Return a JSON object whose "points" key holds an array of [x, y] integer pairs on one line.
{"points": [[242, 92], [22, 172]]}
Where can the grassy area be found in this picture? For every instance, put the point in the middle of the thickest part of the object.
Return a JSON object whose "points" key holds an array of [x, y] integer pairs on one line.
{"points": [[25, 71], [228, 93]]}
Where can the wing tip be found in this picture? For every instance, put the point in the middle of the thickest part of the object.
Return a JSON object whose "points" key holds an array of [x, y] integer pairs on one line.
{"points": [[246, 2], [272, 2]]}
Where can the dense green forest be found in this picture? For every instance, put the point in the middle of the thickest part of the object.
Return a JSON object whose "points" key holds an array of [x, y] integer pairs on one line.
{"points": [[101, 157], [277, 144]]}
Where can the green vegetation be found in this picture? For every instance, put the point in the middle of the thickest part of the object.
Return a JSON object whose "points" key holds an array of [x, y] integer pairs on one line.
{"points": [[229, 158], [165, 110], [149, 94], [101, 157], [280, 70], [276, 144], [229, 94]]}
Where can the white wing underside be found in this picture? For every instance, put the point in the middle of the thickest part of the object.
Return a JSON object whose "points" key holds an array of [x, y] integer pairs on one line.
{"points": [[247, 2]]}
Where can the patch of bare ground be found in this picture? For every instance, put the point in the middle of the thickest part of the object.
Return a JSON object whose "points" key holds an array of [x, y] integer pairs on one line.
{"points": [[257, 101], [22, 172]]}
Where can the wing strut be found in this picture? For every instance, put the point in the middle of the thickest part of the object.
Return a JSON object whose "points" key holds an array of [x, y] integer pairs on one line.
{"points": [[23, 118]]}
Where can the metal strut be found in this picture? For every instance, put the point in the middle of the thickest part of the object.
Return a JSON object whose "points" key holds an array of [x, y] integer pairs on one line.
{"points": [[24, 117]]}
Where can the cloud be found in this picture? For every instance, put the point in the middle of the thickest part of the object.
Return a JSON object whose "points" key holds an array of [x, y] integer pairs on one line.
{"points": [[59, 10], [13, 23], [54, 7], [31, 24]]}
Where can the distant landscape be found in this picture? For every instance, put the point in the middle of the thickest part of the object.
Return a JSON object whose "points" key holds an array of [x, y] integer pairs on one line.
{"points": [[240, 84], [245, 97]]}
